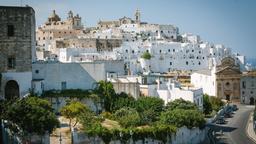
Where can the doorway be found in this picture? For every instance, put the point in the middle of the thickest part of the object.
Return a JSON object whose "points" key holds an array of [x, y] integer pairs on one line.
{"points": [[251, 101], [12, 90], [227, 97]]}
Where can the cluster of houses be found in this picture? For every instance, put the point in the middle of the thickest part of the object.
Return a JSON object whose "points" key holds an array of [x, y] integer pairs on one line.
{"points": [[64, 54]]}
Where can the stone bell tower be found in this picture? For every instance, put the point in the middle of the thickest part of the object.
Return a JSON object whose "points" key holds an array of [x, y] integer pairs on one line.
{"points": [[17, 50], [137, 16]]}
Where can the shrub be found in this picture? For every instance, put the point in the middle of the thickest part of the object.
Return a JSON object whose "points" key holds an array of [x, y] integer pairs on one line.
{"points": [[182, 117], [127, 117], [146, 55]]}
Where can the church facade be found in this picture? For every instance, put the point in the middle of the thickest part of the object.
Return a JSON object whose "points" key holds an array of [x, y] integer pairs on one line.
{"points": [[228, 76]]}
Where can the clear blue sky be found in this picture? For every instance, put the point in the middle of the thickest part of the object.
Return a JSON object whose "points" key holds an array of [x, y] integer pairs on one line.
{"points": [[228, 22]]}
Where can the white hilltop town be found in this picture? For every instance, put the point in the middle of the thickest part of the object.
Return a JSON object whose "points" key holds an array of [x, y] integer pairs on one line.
{"points": [[134, 56], [139, 58]]}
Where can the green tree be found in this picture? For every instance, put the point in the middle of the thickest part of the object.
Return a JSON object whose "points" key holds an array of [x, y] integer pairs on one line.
{"points": [[182, 117], [96, 100], [180, 104], [88, 120], [216, 103], [146, 55], [107, 93], [123, 100], [30, 115], [127, 117], [207, 104], [73, 110], [149, 108]]}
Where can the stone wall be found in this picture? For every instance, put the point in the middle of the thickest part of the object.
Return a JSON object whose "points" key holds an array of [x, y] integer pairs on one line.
{"points": [[100, 44], [17, 34], [182, 136]]}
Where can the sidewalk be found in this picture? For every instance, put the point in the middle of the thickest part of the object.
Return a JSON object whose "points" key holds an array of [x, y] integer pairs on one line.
{"points": [[250, 132]]}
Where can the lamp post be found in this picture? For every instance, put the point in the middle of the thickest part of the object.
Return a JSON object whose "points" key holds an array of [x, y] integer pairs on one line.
{"points": [[121, 135], [131, 133], [60, 139]]}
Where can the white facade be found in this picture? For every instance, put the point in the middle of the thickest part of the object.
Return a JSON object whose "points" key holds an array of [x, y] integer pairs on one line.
{"points": [[126, 84], [131, 28], [61, 76], [205, 79], [78, 55], [188, 37], [169, 56], [172, 90], [23, 79], [68, 54], [156, 31]]}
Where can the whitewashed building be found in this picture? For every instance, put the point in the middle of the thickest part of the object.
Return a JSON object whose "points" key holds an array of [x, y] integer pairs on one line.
{"points": [[60, 76], [191, 38], [126, 84], [172, 90], [205, 79], [169, 56]]}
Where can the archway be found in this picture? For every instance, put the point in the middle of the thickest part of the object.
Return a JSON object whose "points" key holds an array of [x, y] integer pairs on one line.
{"points": [[227, 97], [251, 101], [11, 90]]}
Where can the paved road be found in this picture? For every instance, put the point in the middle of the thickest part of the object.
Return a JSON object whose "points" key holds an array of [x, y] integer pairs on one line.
{"points": [[234, 131]]}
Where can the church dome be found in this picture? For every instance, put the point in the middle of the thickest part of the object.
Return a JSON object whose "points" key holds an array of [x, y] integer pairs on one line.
{"points": [[54, 17]]}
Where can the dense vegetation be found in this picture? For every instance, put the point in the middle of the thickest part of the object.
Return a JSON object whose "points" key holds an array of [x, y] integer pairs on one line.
{"points": [[73, 111], [30, 115], [130, 118], [212, 104]]}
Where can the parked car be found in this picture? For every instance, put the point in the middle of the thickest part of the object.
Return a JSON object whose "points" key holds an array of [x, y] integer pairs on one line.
{"points": [[229, 109], [234, 107], [220, 120], [228, 115]]}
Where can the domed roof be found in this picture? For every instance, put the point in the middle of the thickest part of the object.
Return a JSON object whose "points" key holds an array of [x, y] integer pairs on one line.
{"points": [[54, 17]]}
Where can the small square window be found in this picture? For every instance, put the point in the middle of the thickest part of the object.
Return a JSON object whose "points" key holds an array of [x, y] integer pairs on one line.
{"points": [[63, 85], [10, 30], [11, 63]]}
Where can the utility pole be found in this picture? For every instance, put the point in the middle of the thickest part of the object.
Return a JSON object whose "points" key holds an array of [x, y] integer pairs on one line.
{"points": [[60, 138]]}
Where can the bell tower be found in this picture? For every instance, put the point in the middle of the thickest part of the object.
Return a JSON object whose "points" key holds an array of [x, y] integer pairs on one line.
{"points": [[137, 16]]}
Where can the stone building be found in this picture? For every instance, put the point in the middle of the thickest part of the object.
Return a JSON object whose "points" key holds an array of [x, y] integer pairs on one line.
{"points": [[222, 81], [248, 87], [228, 76], [54, 28], [17, 50], [99, 44], [119, 22]]}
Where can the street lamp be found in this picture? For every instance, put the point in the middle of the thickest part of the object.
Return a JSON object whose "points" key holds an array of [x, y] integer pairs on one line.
{"points": [[131, 133], [60, 139], [121, 135]]}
